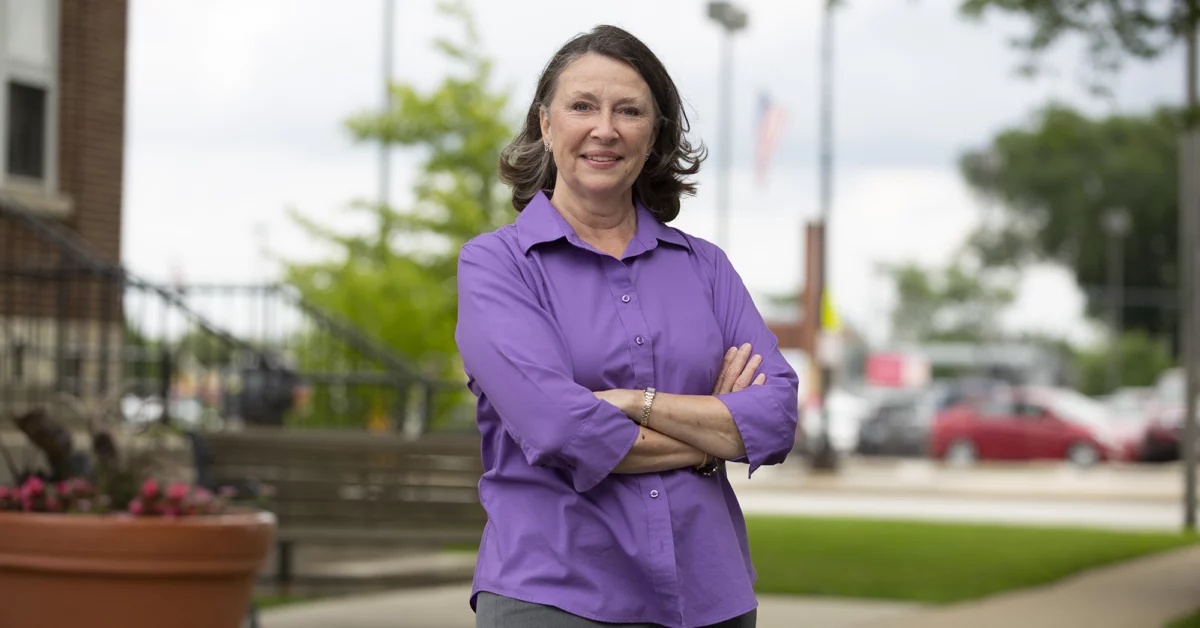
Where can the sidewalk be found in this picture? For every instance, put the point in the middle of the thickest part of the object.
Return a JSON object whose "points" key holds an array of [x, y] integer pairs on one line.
{"points": [[446, 607], [1144, 593], [1052, 481]]}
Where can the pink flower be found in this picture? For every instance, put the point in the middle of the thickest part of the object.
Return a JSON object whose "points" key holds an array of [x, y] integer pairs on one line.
{"points": [[135, 507], [171, 511], [178, 492], [33, 487], [149, 489], [3, 493]]}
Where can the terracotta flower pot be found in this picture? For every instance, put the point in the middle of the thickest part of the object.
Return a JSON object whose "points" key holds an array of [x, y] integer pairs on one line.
{"points": [[71, 571]]}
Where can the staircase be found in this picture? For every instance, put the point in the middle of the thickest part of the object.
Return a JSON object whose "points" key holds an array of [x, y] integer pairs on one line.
{"points": [[75, 323]]}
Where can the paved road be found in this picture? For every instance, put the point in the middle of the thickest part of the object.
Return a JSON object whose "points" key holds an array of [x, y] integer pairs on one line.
{"points": [[1162, 483], [1126, 515], [1133, 497]]}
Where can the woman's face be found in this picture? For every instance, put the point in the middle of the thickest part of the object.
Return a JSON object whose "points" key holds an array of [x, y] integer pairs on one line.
{"points": [[600, 125]]}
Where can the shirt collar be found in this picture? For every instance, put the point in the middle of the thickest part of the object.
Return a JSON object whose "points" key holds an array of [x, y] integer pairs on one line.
{"points": [[540, 222]]}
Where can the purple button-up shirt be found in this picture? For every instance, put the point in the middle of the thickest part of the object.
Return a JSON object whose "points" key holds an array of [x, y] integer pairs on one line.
{"points": [[544, 319]]}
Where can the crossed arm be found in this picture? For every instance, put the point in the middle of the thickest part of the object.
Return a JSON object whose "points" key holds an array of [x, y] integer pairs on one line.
{"points": [[682, 428], [514, 352]]}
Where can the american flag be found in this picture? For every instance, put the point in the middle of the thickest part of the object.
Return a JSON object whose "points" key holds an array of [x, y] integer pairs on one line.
{"points": [[771, 118]]}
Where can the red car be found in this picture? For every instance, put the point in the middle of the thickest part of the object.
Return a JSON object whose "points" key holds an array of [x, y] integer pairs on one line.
{"points": [[1031, 424]]}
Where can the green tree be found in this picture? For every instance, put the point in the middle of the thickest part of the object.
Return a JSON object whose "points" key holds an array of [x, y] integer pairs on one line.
{"points": [[397, 282], [956, 303], [1113, 29], [1054, 179], [1143, 359]]}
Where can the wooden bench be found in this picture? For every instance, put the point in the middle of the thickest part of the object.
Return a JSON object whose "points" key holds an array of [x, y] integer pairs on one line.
{"points": [[339, 487]]}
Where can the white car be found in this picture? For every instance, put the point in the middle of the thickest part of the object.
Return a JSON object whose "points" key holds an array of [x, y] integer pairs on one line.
{"points": [[846, 411]]}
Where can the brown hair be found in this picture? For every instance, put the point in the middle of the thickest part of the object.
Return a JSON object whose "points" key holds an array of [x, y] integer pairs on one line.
{"points": [[527, 167]]}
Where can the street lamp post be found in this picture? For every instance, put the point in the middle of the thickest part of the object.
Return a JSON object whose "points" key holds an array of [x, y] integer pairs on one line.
{"points": [[732, 19], [1116, 226], [825, 456], [1189, 261]]}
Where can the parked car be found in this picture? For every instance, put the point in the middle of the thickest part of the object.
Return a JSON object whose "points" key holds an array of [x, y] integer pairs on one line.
{"points": [[899, 425], [1031, 423], [846, 413], [1132, 405], [1160, 441]]}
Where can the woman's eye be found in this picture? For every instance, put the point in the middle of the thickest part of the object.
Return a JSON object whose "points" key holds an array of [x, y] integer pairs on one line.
{"points": [[581, 106], [631, 111]]}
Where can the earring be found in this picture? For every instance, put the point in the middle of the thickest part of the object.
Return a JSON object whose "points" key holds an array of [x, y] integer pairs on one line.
{"points": [[547, 145], [647, 156]]}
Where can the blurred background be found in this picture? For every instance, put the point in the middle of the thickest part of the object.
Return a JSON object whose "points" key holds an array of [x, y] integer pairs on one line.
{"points": [[964, 220]]}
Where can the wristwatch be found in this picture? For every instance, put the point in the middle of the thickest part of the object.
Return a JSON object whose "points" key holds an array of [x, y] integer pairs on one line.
{"points": [[647, 401], [710, 465]]}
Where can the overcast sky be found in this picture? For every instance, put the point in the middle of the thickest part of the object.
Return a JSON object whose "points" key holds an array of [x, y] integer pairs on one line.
{"points": [[235, 114]]}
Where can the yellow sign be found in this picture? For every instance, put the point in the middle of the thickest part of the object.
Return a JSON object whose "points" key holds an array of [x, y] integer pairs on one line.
{"points": [[830, 321]]}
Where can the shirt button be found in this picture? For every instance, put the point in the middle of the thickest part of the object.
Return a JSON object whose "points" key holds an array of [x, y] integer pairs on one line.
{"points": [[639, 340], [654, 494], [625, 298]]}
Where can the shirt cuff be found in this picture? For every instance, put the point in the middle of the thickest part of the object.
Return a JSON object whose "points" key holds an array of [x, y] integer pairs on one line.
{"points": [[762, 424], [600, 445]]}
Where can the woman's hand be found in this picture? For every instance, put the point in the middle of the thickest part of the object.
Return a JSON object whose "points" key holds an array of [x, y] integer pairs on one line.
{"points": [[700, 421], [737, 371]]}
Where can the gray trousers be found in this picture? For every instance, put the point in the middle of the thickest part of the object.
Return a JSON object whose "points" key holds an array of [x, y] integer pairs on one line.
{"points": [[496, 611]]}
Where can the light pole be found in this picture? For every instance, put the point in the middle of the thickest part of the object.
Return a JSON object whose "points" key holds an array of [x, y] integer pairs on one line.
{"points": [[1116, 226], [732, 19], [825, 457], [1189, 262]]}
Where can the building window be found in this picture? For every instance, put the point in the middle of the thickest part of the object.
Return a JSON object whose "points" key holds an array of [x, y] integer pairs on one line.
{"points": [[26, 131], [29, 97], [29, 32]]}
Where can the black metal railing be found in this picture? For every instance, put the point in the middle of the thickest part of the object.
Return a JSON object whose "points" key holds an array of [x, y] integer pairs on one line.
{"points": [[72, 322], [344, 377]]}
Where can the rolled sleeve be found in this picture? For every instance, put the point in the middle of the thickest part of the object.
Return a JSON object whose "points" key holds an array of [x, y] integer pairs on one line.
{"points": [[515, 355], [766, 415], [767, 430]]}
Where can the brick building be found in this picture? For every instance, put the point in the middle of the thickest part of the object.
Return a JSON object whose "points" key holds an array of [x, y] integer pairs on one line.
{"points": [[62, 128], [62, 65]]}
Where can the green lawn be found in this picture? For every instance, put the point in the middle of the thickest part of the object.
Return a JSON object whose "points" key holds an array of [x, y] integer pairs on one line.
{"points": [[1187, 621], [270, 601], [923, 562], [929, 562]]}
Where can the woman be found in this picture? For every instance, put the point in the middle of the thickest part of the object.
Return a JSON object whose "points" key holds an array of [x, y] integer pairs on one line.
{"points": [[612, 358]]}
